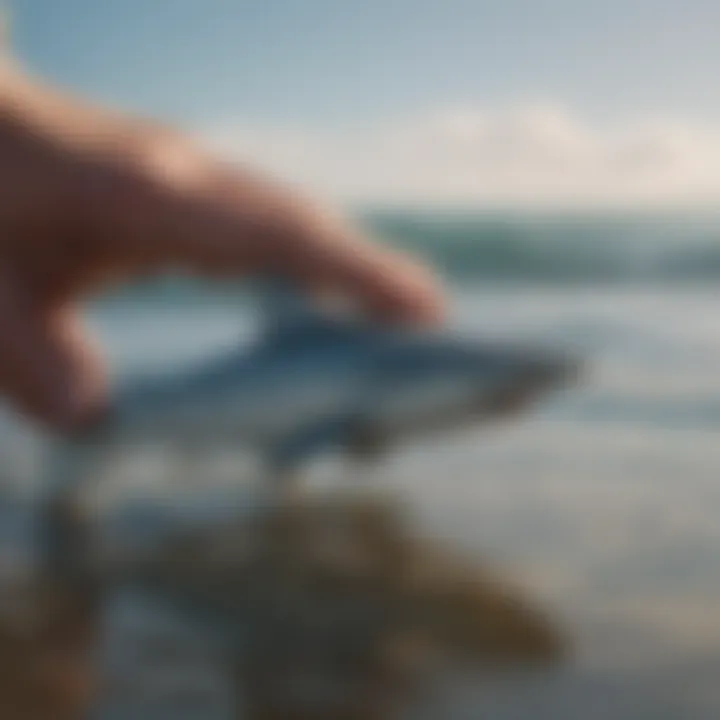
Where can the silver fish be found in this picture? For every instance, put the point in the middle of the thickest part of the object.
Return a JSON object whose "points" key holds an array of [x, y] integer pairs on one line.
{"points": [[318, 381]]}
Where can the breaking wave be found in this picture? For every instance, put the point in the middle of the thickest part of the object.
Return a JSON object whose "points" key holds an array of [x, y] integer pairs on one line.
{"points": [[582, 249]]}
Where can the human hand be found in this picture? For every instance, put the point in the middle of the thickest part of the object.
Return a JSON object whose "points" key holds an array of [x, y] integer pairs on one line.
{"points": [[89, 197]]}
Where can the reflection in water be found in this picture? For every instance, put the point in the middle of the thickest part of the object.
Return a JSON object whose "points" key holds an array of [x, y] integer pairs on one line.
{"points": [[331, 607], [335, 609]]}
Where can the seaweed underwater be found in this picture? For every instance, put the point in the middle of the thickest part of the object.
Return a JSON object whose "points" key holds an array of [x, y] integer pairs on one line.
{"points": [[337, 609], [329, 606]]}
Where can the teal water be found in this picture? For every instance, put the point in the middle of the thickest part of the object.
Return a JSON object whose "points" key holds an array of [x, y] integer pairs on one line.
{"points": [[568, 248]]}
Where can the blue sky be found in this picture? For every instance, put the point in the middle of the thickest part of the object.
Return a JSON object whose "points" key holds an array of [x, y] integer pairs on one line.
{"points": [[325, 59], [331, 63]]}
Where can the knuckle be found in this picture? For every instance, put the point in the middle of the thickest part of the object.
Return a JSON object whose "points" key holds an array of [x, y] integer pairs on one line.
{"points": [[164, 159], [150, 168]]}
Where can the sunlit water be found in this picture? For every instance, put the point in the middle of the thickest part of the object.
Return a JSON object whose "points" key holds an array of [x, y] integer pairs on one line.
{"points": [[603, 504]]}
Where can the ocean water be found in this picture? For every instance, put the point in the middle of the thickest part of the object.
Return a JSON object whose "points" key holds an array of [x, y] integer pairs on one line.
{"points": [[604, 502]]}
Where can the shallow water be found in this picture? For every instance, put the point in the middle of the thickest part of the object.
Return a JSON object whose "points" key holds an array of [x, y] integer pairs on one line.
{"points": [[603, 504]]}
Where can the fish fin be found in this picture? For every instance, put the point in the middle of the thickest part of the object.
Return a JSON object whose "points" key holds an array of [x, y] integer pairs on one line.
{"points": [[284, 306], [312, 441], [288, 311], [64, 529]]}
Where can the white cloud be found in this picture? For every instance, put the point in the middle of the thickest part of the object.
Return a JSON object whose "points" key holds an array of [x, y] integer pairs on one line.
{"points": [[540, 154]]}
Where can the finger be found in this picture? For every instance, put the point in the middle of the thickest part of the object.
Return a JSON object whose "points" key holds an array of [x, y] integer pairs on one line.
{"points": [[217, 220], [386, 283], [48, 368]]}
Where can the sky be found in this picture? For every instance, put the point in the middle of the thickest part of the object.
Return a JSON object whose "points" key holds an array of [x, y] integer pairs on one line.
{"points": [[447, 101]]}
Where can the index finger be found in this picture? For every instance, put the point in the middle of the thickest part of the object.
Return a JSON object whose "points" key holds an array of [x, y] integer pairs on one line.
{"points": [[213, 219]]}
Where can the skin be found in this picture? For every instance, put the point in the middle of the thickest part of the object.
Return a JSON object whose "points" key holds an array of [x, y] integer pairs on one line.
{"points": [[90, 198]]}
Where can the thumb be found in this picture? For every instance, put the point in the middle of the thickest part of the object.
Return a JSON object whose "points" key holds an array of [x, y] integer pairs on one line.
{"points": [[48, 367]]}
